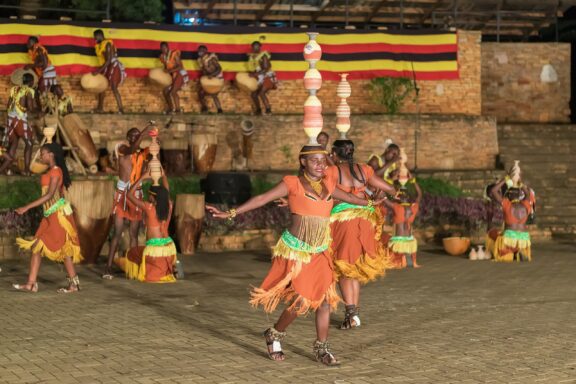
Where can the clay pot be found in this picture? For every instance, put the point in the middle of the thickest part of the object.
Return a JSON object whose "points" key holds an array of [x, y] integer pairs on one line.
{"points": [[343, 90], [312, 80], [456, 246], [312, 50], [49, 133], [312, 106], [343, 109]]}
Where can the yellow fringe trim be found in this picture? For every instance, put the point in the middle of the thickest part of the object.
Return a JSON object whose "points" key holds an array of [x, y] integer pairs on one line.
{"points": [[69, 249], [160, 251], [366, 268], [136, 271], [404, 246], [500, 248], [351, 214], [284, 292], [284, 251], [516, 243]]}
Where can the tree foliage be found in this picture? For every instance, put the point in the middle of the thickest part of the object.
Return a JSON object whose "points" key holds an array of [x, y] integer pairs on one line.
{"points": [[120, 10]]}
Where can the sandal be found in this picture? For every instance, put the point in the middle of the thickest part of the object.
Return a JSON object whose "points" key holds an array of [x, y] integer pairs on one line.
{"points": [[73, 285], [323, 354], [107, 275], [24, 287], [273, 343], [351, 317]]}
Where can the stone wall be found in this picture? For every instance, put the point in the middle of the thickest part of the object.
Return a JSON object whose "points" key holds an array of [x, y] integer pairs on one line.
{"points": [[512, 90], [461, 96], [444, 142]]}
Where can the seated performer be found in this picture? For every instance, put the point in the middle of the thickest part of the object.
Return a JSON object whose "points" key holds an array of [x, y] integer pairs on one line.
{"points": [[41, 65], [302, 272], [110, 67], [210, 67], [173, 65], [20, 102], [57, 236], [404, 209], [58, 102], [131, 161], [514, 243], [259, 63], [155, 262]]}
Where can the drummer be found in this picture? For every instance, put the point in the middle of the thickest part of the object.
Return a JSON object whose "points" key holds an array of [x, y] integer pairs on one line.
{"points": [[58, 102], [110, 67], [259, 64], [173, 65], [21, 101], [131, 161], [209, 67], [41, 65]]}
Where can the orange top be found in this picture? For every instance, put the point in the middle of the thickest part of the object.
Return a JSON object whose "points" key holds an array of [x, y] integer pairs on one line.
{"points": [[36, 51], [304, 203], [364, 171], [137, 159], [509, 217], [151, 219], [400, 213], [169, 59], [45, 183]]}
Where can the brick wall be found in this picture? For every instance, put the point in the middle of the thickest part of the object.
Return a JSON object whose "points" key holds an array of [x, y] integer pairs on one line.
{"points": [[436, 97], [444, 142], [511, 86]]}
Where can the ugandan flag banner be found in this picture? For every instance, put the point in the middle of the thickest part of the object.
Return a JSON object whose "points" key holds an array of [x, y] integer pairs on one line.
{"points": [[364, 54]]}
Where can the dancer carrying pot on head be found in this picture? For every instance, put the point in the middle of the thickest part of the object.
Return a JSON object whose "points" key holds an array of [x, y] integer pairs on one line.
{"points": [[302, 272], [513, 244], [155, 262], [110, 67], [56, 237], [172, 61], [359, 256]]}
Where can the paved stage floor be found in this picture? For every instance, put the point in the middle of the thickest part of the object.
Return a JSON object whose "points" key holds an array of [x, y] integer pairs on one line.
{"points": [[453, 321]]}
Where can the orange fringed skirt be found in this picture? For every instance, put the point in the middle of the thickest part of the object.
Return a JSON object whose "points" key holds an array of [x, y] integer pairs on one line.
{"points": [[56, 237], [358, 252], [304, 286], [153, 263]]}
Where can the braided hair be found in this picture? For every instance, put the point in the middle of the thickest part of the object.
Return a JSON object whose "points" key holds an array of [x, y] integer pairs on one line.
{"points": [[344, 149], [162, 201], [58, 153]]}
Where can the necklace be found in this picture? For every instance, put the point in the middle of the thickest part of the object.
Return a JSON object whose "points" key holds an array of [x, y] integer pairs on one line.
{"points": [[316, 185]]}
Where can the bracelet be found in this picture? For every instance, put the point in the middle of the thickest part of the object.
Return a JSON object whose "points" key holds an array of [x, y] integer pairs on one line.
{"points": [[232, 214], [370, 203]]}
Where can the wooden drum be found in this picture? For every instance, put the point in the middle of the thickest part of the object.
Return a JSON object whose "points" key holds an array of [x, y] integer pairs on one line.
{"points": [[159, 76], [211, 85], [80, 137], [189, 214], [246, 82], [92, 202], [175, 156], [203, 151], [94, 83]]}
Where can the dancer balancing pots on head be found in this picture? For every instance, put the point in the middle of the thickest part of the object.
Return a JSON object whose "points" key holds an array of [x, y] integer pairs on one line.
{"points": [[359, 256], [302, 272], [513, 244], [57, 237]]}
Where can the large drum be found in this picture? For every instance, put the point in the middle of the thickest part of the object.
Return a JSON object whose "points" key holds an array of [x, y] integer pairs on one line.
{"points": [[80, 137], [159, 76], [92, 202], [246, 82], [94, 83], [203, 151], [175, 156], [211, 85], [189, 215]]}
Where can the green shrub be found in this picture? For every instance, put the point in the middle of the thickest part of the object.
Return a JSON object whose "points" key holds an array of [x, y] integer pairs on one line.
{"points": [[438, 187]]}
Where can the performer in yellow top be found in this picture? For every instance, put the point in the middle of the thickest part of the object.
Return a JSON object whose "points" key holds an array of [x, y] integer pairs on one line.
{"points": [[21, 101], [210, 67], [41, 65], [171, 58], [261, 68], [110, 67]]}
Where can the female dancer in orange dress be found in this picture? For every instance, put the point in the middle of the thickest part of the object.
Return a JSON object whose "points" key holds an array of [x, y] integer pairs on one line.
{"points": [[359, 255], [302, 272], [57, 237], [155, 262]]}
